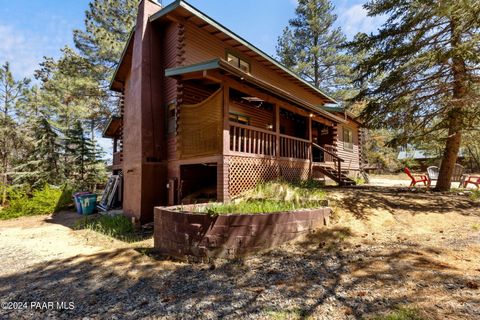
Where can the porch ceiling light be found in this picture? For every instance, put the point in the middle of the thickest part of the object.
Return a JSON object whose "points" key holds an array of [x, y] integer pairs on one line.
{"points": [[252, 99]]}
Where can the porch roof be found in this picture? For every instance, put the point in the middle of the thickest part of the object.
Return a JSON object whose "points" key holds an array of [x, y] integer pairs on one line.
{"points": [[112, 127], [221, 64]]}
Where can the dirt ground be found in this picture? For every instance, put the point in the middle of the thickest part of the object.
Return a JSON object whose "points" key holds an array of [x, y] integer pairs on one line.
{"points": [[385, 248]]}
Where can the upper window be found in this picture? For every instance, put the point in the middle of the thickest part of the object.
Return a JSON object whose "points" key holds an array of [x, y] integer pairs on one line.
{"points": [[347, 139], [238, 62]]}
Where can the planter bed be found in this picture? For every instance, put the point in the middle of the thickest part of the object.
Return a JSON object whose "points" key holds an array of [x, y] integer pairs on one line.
{"points": [[181, 232]]}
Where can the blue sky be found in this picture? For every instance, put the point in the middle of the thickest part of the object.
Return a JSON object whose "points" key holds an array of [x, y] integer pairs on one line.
{"points": [[32, 29]]}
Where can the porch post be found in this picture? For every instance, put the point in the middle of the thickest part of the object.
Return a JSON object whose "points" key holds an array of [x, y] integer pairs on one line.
{"points": [[223, 188], [226, 125], [310, 155], [277, 130]]}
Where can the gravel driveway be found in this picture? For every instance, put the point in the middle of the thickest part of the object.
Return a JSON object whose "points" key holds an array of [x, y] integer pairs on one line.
{"points": [[372, 259]]}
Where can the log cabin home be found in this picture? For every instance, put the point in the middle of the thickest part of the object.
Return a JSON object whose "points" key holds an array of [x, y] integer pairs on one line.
{"points": [[205, 115]]}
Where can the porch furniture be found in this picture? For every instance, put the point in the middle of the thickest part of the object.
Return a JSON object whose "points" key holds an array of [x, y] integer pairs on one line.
{"points": [[457, 175], [432, 173], [473, 179], [416, 178]]}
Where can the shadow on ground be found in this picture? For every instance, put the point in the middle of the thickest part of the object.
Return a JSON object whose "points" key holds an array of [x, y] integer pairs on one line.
{"points": [[321, 275], [361, 201]]}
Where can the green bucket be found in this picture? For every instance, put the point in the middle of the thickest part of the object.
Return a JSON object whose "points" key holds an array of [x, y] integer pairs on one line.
{"points": [[88, 203]]}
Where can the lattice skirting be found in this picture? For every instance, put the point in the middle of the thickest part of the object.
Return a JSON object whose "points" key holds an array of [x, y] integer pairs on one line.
{"points": [[245, 173]]}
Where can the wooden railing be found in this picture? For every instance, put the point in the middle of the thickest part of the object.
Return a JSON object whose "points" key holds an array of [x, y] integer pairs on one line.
{"points": [[330, 155], [335, 158], [291, 147], [253, 140]]}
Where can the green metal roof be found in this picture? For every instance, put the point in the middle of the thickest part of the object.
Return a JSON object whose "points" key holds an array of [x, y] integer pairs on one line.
{"points": [[207, 65], [180, 3]]}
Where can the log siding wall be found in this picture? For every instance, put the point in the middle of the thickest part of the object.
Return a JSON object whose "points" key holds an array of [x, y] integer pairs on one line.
{"points": [[201, 46], [351, 157]]}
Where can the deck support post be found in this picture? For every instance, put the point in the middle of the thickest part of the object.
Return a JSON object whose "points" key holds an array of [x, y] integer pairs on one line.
{"points": [[223, 191], [310, 153], [277, 130]]}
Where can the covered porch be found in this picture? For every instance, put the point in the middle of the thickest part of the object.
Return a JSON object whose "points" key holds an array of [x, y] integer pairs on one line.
{"points": [[260, 131]]}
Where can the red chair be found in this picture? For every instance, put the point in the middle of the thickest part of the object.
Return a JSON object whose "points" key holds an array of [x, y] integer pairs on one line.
{"points": [[416, 178], [475, 180]]}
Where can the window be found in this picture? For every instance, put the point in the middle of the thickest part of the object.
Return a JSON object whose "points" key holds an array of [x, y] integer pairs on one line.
{"points": [[347, 139], [238, 62], [171, 117], [239, 118]]}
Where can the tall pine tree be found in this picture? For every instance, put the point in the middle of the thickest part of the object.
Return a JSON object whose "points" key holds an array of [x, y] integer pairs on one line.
{"points": [[312, 47], [81, 155], [427, 57], [43, 163], [11, 93], [108, 24]]}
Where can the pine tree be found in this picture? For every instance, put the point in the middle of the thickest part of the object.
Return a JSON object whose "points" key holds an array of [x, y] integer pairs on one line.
{"points": [[82, 156], [11, 93], [43, 164], [108, 24], [69, 89], [312, 47], [427, 57]]}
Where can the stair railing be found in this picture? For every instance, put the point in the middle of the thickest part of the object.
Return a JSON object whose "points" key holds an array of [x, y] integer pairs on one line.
{"points": [[337, 160]]}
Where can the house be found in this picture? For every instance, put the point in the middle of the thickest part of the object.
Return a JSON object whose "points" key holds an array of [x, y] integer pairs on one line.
{"points": [[421, 159], [207, 115]]}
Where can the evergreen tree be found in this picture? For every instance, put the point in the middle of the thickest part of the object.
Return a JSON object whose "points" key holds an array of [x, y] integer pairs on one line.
{"points": [[43, 164], [312, 47], [82, 156], [427, 57], [108, 24], [69, 89], [11, 94]]}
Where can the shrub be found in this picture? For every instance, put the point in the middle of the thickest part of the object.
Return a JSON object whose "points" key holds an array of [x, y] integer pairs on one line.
{"points": [[285, 191], [257, 206], [49, 199], [273, 196]]}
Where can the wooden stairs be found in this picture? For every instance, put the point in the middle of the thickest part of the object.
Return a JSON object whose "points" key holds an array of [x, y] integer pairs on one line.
{"points": [[332, 173], [336, 173]]}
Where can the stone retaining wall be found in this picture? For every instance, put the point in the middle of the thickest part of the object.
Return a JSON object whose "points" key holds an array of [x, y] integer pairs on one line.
{"points": [[181, 233]]}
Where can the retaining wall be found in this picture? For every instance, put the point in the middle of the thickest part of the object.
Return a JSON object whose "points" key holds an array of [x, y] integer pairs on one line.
{"points": [[182, 233]]}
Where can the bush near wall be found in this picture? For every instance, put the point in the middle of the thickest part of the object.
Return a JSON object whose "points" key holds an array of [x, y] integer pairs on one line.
{"points": [[49, 199]]}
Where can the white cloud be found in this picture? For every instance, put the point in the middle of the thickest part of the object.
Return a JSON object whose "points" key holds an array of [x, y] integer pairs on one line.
{"points": [[25, 48], [13, 45], [354, 19]]}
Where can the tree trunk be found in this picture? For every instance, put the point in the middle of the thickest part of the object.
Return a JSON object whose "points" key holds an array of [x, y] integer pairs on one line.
{"points": [[450, 154], [455, 116]]}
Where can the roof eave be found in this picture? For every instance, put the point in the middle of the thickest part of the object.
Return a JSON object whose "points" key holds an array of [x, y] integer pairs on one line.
{"points": [[117, 68]]}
